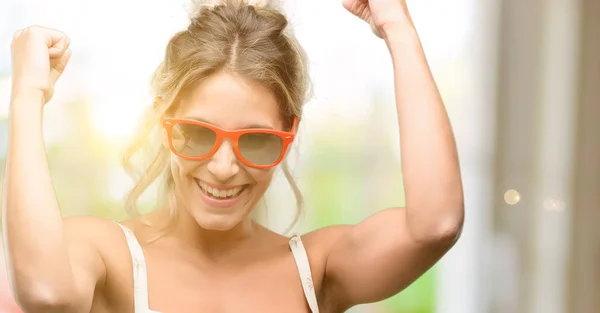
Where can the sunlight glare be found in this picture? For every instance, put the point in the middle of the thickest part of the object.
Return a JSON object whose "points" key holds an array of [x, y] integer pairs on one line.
{"points": [[116, 121]]}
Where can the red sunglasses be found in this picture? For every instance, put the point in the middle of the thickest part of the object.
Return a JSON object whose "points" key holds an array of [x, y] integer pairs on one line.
{"points": [[259, 148]]}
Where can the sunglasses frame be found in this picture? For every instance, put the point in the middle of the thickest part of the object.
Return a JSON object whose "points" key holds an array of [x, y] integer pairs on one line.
{"points": [[286, 137]]}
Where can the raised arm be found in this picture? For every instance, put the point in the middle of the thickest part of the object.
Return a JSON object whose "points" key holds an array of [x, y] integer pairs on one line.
{"points": [[51, 266], [385, 253]]}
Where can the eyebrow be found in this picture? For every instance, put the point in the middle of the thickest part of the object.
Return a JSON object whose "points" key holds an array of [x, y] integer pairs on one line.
{"points": [[249, 126]]}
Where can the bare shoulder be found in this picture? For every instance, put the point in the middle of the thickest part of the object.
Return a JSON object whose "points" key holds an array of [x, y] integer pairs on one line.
{"points": [[321, 240], [88, 234], [97, 239], [319, 243], [83, 223], [96, 230]]}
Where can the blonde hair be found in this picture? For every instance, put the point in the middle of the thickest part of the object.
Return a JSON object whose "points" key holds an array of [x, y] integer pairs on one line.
{"points": [[252, 41]]}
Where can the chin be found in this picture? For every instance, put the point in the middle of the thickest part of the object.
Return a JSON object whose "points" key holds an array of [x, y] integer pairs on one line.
{"points": [[218, 223], [219, 218]]}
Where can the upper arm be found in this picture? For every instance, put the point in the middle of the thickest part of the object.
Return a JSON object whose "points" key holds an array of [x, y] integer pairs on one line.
{"points": [[378, 258], [83, 235]]}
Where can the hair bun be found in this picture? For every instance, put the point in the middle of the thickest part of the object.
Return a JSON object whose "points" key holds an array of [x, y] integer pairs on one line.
{"points": [[272, 4]]}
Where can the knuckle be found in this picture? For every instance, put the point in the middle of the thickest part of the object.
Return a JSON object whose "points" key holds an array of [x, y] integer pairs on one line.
{"points": [[28, 29], [34, 30], [24, 32]]}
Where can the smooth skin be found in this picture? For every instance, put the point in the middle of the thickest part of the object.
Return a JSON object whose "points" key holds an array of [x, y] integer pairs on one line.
{"points": [[83, 265]]}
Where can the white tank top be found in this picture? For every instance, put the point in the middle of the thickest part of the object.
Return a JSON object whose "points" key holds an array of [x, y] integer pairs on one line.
{"points": [[140, 278]]}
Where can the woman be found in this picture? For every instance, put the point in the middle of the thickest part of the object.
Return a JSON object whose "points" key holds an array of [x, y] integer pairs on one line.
{"points": [[228, 102]]}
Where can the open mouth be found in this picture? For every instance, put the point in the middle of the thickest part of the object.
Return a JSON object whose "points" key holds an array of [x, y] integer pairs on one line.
{"points": [[220, 194]]}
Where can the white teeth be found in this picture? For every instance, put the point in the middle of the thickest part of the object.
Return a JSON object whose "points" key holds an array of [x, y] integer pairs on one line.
{"points": [[220, 193]]}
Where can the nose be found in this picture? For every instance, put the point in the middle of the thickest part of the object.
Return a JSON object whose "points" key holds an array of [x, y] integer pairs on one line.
{"points": [[223, 164]]}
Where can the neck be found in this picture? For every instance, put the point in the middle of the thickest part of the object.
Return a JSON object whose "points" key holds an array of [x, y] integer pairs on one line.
{"points": [[214, 244]]}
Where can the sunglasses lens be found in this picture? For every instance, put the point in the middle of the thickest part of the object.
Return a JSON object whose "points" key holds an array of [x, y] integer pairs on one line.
{"points": [[192, 140], [260, 148]]}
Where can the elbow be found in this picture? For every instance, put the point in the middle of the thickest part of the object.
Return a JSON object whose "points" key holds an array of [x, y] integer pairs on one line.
{"points": [[43, 300], [443, 231], [451, 227], [44, 305], [449, 230]]}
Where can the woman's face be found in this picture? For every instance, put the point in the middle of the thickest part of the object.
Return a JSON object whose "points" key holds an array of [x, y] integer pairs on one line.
{"points": [[219, 192]]}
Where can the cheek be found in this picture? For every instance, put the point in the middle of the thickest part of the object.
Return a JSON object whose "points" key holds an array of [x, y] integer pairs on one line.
{"points": [[181, 168], [262, 177]]}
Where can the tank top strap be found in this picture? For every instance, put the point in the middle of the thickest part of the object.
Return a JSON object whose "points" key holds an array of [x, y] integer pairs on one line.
{"points": [[140, 277], [303, 266]]}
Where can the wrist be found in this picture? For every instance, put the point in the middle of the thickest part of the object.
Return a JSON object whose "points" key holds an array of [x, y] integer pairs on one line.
{"points": [[28, 101], [30, 96], [401, 35], [399, 30], [395, 21]]}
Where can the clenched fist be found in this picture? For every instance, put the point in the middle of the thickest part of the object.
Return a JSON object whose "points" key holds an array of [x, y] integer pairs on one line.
{"points": [[380, 14], [39, 57]]}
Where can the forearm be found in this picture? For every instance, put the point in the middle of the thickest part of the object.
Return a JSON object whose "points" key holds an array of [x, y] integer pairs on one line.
{"points": [[36, 252], [430, 167]]}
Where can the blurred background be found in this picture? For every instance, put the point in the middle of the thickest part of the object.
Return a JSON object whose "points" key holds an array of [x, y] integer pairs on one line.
{"points": [[521, 81]]}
